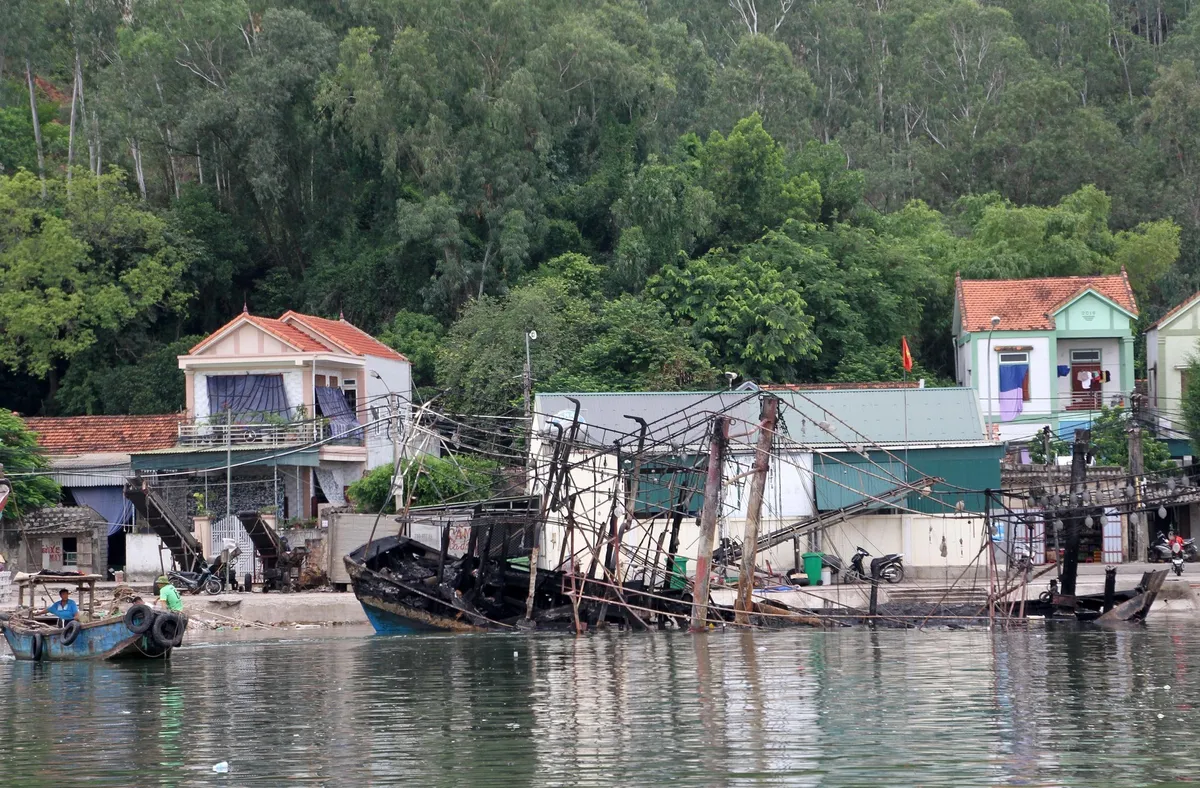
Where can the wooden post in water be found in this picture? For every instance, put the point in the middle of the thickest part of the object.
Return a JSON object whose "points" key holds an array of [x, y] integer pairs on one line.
{"points": [[708, 521], [758, 484], [1079, 451]]}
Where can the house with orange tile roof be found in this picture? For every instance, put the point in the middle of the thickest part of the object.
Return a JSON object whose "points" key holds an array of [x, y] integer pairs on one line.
{"points": [[1044, 352], [1171, 343], [297, 406]]}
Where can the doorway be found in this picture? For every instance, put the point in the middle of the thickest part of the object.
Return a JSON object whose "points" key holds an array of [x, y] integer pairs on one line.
{"points": [[1087, 379]]}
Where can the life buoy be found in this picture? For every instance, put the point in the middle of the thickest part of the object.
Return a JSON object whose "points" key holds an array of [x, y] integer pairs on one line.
{"points": [[166, 629], [70, 632], [36, 647], [139, 619]]}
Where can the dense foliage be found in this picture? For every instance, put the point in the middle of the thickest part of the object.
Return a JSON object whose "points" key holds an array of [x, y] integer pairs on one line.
{"points": [[20, 454], [427, 481], [664, 190]]}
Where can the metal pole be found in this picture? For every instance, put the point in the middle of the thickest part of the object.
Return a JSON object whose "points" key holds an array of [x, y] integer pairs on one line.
{"points": [[1137, 467], [527, 395], [708, 521], [758, 484], [1078, 476], [394, 432], [991, 383]]}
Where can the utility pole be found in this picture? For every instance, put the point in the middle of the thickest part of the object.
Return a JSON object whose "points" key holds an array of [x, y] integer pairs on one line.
{"points": [[1049, 468], [758, 484], [527, 394], [1137, 467], [397, 471], [1079, 451], [708, 521]]}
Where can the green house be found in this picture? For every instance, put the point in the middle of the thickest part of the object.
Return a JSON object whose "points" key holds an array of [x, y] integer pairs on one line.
{"points": [[1044, 352]]}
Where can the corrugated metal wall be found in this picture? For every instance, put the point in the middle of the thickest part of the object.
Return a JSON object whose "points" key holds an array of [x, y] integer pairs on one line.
{"points": [[844, 477]]}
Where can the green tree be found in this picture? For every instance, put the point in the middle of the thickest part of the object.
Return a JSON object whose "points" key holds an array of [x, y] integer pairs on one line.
{"points": [[76, 268], [428, 481], [417, 336], [20, 455]]}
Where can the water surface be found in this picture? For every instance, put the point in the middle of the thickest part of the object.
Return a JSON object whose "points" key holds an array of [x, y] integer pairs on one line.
{"points": [[1046, 707]]}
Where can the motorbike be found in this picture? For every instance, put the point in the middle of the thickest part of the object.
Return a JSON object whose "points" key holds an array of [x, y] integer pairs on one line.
{"points": [[1177, 558], [213, 578], [1160, 551], [889, 567]]}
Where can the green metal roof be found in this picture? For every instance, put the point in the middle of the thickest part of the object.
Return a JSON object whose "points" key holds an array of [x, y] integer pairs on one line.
{"points": [[191, 458], [943, 417]]}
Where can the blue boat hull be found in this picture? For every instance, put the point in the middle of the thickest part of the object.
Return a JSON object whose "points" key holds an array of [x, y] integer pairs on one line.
{"points": [[106, 639], [388, 622]]}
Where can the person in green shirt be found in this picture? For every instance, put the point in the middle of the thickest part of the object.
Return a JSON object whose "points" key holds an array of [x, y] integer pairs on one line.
{"points": [[167, 595]]}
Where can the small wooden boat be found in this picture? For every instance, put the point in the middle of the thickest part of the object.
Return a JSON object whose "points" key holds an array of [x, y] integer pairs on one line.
{"points": [[141, 633]]}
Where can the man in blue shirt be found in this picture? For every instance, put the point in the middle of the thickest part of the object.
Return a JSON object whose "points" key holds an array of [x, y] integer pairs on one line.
{"points": [[65, 608]]}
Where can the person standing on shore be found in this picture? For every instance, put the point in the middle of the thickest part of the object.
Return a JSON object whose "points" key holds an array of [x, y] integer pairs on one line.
{"points": [[168, 597]]}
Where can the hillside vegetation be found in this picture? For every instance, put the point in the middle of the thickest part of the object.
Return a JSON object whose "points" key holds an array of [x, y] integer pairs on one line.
{"points": [[665, 190]]}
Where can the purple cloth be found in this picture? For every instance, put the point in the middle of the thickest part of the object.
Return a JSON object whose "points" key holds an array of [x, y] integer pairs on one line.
{"points": [[1011, 404]]}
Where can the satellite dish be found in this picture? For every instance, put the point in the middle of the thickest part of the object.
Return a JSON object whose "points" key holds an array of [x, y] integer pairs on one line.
{"points": [[533, 334]]}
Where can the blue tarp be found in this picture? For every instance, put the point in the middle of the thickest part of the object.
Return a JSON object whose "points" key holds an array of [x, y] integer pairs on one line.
{"points": [[249, 397], [109, 502], [1012, 376], [335, 408]]}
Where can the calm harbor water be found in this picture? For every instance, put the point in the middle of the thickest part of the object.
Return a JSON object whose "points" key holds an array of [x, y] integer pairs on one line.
{"points": [[849, 708]]}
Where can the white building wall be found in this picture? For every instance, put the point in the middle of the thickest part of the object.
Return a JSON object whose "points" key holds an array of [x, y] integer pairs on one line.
{"points": [[1039, 374], [396, 376], [145, 558], [1153, 371]]}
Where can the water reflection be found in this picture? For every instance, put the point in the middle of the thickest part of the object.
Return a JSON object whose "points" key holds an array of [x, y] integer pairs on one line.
{"points": [[1043, 707]]}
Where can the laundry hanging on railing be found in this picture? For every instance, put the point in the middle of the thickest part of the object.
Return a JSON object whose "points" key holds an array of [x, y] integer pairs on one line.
{"points": [[249, 398], [342, 421], [1012, 390]]}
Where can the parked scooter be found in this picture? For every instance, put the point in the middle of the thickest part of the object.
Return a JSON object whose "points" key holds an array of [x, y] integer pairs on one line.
{"points": [[889, 567], [213, 579], [1160, 551]]}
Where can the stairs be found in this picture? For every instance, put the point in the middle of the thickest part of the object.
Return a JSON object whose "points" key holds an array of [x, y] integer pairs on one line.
{"points": [[177, 538]]}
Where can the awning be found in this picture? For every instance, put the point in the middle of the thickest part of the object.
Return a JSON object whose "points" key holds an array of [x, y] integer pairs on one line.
{"points": [[189, 459]]}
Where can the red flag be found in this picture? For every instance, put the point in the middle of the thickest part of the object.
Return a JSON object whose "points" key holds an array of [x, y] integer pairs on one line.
{"points": [[905, 355]]}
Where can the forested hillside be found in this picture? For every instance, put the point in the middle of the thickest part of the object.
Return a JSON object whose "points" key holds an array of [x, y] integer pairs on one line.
{"points": [[665, 190]]}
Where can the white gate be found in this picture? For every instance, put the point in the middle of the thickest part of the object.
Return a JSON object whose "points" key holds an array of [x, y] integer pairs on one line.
{"points": [[1027, 531], [231, 528], [1113, 547]]}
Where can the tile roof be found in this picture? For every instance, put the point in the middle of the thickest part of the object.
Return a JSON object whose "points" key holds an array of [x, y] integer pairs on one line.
{"points": [[1175, 310], [1028, 304], [104, 434], [276, 328], [343, 334], [301, 340]]}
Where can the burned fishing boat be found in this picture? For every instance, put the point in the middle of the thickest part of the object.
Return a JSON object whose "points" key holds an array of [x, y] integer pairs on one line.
{"points": [[406, 585]]}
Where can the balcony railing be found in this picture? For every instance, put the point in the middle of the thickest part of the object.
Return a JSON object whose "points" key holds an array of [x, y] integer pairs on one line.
{"points": [[209, 434]]}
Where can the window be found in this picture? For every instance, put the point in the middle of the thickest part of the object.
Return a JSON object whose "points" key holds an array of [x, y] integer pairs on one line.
{"points": [[1012, 358], [1183, 382], [319, 380], [350, 392], [1085, 356]]}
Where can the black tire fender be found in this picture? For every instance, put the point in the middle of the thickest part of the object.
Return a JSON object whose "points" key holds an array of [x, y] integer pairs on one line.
{"points": [[183, 622], [71, 632], [36, 647], [166, 629], [139, 619]]}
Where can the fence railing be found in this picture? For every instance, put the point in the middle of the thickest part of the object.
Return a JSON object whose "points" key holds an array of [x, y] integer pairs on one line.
{"points": [[205, 434]]}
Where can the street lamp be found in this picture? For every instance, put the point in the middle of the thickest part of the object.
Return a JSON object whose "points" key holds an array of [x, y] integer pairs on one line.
{"points": [[991, 378]]}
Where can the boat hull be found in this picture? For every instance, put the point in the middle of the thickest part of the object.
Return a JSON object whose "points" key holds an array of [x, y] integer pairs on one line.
{"points": [[389, 606], [97, 640]]}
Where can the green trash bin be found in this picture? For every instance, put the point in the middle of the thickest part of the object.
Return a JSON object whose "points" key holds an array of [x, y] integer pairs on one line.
{"points": [[679, 572], [812, 567]]}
